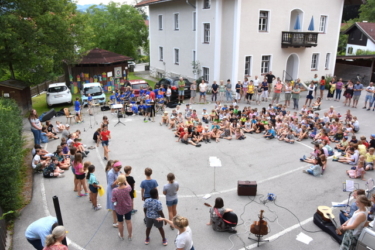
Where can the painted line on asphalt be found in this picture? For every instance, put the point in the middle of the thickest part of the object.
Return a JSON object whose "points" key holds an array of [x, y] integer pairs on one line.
{"points": [[46, 210], [285, 231]]}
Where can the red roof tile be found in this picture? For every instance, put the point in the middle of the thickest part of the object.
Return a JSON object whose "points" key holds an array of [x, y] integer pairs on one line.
{"points": [[101, 56], [148, 2]]}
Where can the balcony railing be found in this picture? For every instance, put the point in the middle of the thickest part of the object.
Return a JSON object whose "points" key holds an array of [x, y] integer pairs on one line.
{"points": [[299, 39]]}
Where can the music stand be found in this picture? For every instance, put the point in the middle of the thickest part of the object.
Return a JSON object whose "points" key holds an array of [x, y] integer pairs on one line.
{"points": [[118, 107], [215, 163]]}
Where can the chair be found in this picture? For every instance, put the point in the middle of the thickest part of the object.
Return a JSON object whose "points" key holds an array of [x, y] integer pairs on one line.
{"points": [[68, 115]]}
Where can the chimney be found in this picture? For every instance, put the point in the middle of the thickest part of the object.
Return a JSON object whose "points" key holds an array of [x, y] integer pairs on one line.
{"points": [[364, 21]]}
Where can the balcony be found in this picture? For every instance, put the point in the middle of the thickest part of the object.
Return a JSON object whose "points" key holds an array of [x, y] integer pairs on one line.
{"points": [[299, 39]]}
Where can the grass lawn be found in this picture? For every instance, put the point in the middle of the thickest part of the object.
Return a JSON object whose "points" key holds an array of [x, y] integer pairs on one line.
{"points": [[40, 104]]}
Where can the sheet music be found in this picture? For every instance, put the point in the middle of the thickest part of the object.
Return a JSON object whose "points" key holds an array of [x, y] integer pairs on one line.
{"points": [[214, 161], [349, 185], [117, 106]]}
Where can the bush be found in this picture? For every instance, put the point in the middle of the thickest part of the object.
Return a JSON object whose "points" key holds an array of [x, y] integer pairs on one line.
{"points": [[11, 154]]}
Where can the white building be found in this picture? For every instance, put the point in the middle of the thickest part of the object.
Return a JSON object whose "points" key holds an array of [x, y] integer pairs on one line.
{"points": [[234, 38], [361, 37]]}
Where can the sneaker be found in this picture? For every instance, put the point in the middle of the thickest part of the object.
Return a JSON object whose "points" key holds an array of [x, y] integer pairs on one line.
{"points": [[119, 235], [301, 159], [115, 225], [149, 119], [147, 241], [208, 140], [304, 157], [130, 238], [198, 145], [165, 242], [87, 152], [368, 109], [97, 208], [105, 158], [160, 123], [134, 211]]}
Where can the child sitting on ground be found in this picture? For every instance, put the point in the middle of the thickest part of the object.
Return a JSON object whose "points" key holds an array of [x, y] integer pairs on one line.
{"points": [[164, 119], [52, 171], [358, 171]]}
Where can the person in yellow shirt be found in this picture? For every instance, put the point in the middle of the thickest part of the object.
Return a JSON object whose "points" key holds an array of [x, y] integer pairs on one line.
{"points": [[370, 159], [250, 92]]}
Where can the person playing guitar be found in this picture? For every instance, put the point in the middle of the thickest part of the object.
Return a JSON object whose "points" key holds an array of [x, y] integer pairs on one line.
{"points": [[222, 219]]}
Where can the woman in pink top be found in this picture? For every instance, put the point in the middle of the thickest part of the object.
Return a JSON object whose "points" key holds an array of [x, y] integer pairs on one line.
{"points": [[79, 173], [339, 86], [359, 170], [123, 204]]}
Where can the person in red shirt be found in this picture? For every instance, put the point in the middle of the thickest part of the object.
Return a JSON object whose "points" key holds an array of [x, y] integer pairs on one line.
{"points": [[105, 135], [80, 147]]}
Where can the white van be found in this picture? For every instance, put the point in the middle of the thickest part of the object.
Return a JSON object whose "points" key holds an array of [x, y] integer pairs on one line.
{"points": [[96, 92]]}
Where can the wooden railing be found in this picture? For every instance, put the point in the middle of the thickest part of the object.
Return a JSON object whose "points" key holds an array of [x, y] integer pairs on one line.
{"points": [[299, 39], [37, 89]]}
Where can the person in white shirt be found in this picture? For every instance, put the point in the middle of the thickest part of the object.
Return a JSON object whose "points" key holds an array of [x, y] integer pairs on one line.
{"points": [[202, 91], [370, 90], [37, 163], [184, 239]]}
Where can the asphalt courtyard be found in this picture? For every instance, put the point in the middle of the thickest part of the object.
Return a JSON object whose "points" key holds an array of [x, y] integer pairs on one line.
{"points": [[274, 165]]}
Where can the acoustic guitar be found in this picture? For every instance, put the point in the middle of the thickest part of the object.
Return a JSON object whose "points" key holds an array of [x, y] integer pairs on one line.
{"points": [[327, 215], [229, 218], [260, 227]]}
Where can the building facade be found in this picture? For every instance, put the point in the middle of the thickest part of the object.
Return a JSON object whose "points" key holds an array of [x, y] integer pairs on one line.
{"points": [[361, 36], [229, 39]]}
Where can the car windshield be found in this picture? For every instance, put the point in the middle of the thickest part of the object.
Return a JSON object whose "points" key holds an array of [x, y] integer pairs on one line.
{"points": [[93, 90], [138, 86], [175, 83], [57, 89]]}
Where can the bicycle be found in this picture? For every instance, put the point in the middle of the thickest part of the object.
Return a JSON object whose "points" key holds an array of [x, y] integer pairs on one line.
{"points": [[362, 79]]}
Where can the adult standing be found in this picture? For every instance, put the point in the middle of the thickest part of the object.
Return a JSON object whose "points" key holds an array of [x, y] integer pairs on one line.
{"points": [[349, 91], [354, 226], [181, 90], [221, 90], [36, 127], [203, 91], [358, 87], [288, 94], [123, 205], [215, 90], [184, 239], [277, 91], [244, 87], [238, 91], [37, 231], [105, 135], [295, 96], [270, 77], [112, 176], [193, 91], [369, 95], [54, 240], [265, 85], [332, 89], [250, 92], [339, 86], [170, 191], [315, 80], [322, 86], [310, 96], [228, 91]]}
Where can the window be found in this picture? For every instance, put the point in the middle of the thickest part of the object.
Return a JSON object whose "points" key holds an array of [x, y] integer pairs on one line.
{"points": [[350, 50], [206, 74], [194, 21], [322, 24], [314, 61], [160, 22], [265, 66], [327, 60], [161, 53], [176, 21], [263, 21], [194, 56], [206, 4], [361, 38], [247, 65], [206, 33], [176, 56]]}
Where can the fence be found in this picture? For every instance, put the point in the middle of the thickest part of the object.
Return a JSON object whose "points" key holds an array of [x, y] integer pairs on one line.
{"points": [[36, 90], [3, 232]]}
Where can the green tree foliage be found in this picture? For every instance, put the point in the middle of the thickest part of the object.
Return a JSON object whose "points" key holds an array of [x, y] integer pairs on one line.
{"points": [[118, 28], [343, 41], [367, 11], [37, 35], [11, 154]]}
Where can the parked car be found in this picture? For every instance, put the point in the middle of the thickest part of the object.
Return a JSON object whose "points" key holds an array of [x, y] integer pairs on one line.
{"points": [[58, 93], [96, 92], [136, 85], [173, 82]]}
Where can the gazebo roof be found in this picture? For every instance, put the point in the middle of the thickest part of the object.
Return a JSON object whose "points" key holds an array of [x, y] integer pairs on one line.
{"points": [[15, 84], [101, 56]]}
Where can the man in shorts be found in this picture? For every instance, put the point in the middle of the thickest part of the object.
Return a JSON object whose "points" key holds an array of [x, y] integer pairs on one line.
{"points": [[181, 90], [270, 78], [358, 87], [77, 109], [105, 135], [202, 91], [153, 210], [228, 91], [369, 95]]}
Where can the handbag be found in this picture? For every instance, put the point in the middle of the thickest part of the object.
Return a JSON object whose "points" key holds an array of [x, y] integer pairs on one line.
{"points": [[101, 190]]}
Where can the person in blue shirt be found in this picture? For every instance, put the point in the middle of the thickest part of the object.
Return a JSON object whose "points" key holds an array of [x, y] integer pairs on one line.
{"points": [[37, 231], [122, 98], [132, 98], [77, 109], [160, 98], [270, 134], [134, 109], [112, 98], [148, 109], [89, 103], [142, 92], [141, 108], [118, 96], [127, 93]]}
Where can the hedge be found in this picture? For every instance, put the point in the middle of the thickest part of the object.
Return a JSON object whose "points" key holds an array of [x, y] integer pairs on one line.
{"points": [[11, 154]]}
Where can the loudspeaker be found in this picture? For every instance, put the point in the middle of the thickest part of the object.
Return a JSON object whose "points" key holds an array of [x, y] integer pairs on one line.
{"points": [[328, 227], [105, 108], [247, 188], [366, 240]]}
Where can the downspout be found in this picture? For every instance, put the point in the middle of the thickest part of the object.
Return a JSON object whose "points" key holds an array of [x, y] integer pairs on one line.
{"points": [[187, 1]]}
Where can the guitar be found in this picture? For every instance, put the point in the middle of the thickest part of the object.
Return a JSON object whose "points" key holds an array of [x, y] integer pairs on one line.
{"points": [[259, 227], [229, 218], [327, 215]]}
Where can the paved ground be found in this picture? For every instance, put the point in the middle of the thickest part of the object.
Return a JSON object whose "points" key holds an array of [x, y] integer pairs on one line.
{"points": [[274, 165]]}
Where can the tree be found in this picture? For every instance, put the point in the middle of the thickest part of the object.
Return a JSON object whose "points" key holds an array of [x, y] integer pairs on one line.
{"points": [[118, 28], [367, 11], [37, 35]]}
